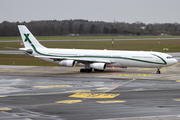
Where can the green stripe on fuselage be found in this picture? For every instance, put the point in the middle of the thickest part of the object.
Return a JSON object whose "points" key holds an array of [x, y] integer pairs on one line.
{"points": [[164, 62]]}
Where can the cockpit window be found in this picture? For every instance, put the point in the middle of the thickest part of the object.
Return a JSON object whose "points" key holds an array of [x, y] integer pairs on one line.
{"points": [[169, 57]]}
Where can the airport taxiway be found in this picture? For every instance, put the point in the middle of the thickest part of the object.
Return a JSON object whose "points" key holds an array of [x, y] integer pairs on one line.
{"points": [[8, 41], [61, 93]]}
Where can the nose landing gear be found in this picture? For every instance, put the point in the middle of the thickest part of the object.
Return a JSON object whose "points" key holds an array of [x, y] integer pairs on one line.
{"points": [[158, 71]]}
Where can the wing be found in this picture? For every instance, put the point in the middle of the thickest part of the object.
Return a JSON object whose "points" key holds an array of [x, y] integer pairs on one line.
{"points": [[80, 59]]}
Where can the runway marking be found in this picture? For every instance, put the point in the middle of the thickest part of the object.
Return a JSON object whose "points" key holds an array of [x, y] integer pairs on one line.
{"points": [[112, 101], [69, 101], [177, 80], [3, 96], [164, 69], [79, 91], [4, 112], [176, 99], [53, 86], [174, 65], [94, 95], [17, 115], [5, 108], [133, 79], [142, 75], [7, 69], [5, 88], [125, 75], [29, 118], [103, 88]]}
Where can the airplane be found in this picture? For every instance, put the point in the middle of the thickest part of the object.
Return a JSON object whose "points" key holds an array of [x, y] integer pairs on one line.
{"points": [[96, 60]]}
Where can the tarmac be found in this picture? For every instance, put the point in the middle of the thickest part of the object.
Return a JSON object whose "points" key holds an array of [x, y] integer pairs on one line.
{"points": [[62, 93]]}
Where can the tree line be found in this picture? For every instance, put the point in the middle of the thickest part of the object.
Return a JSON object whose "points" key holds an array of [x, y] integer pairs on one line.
{"points": [[85, 27]]}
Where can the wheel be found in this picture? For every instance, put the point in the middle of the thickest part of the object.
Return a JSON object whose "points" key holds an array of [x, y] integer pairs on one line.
{"points": [[82, 70], [158, 72], [85, 70], [96, 70], [88, 70]]}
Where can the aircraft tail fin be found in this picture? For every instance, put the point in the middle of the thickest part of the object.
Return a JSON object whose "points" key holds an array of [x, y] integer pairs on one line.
{"points": [[28, 38]]}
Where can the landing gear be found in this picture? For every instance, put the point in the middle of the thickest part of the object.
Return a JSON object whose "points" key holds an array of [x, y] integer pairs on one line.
{"points": [[96, 70], [86, 70], [158, 71], [90, 70]]}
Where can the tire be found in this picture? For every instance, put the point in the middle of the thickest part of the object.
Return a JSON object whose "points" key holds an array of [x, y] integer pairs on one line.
{"points": [[158, 72], [96, 70], [82, 70], [85, 70]]}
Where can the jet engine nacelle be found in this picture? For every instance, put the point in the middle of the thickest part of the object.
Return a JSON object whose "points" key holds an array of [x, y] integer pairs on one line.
{"points": [[67, 63], [98, 66]]}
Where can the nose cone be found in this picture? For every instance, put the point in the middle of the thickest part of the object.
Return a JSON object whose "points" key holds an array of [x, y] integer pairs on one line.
{"points": [[172, 62]]}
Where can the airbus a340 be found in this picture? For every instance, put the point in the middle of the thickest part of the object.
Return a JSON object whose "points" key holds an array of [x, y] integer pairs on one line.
{"points": [[96, 60]]}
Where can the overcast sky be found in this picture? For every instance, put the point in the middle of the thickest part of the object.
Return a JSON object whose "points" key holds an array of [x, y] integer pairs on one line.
{"points": [[147, 11]]}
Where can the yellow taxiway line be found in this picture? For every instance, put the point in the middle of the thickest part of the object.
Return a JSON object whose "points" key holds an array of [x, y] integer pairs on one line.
{"points": [[94, 95], [112, 101]]}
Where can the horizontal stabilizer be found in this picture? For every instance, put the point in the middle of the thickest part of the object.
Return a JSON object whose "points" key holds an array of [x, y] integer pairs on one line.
{"points": [[24, 49]]}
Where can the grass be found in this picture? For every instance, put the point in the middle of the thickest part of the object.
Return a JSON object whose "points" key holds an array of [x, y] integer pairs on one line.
{"points": [[145, 45], [173, 45], [138, 45], [6, 59]]}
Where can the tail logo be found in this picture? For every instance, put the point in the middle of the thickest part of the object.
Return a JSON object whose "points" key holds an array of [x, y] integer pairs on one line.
{"points": [[27, 38]]}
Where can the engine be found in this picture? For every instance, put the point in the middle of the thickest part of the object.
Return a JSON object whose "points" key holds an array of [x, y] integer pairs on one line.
{"points": [[98, 66], [67, 63]]}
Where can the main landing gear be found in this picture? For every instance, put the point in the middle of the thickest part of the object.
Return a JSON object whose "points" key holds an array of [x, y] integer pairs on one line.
{"points": [[90, 70], [158, 71], [86, 70]]}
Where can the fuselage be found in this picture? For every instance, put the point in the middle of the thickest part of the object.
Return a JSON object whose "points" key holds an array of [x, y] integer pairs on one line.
{"points": [[117, 58]]}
